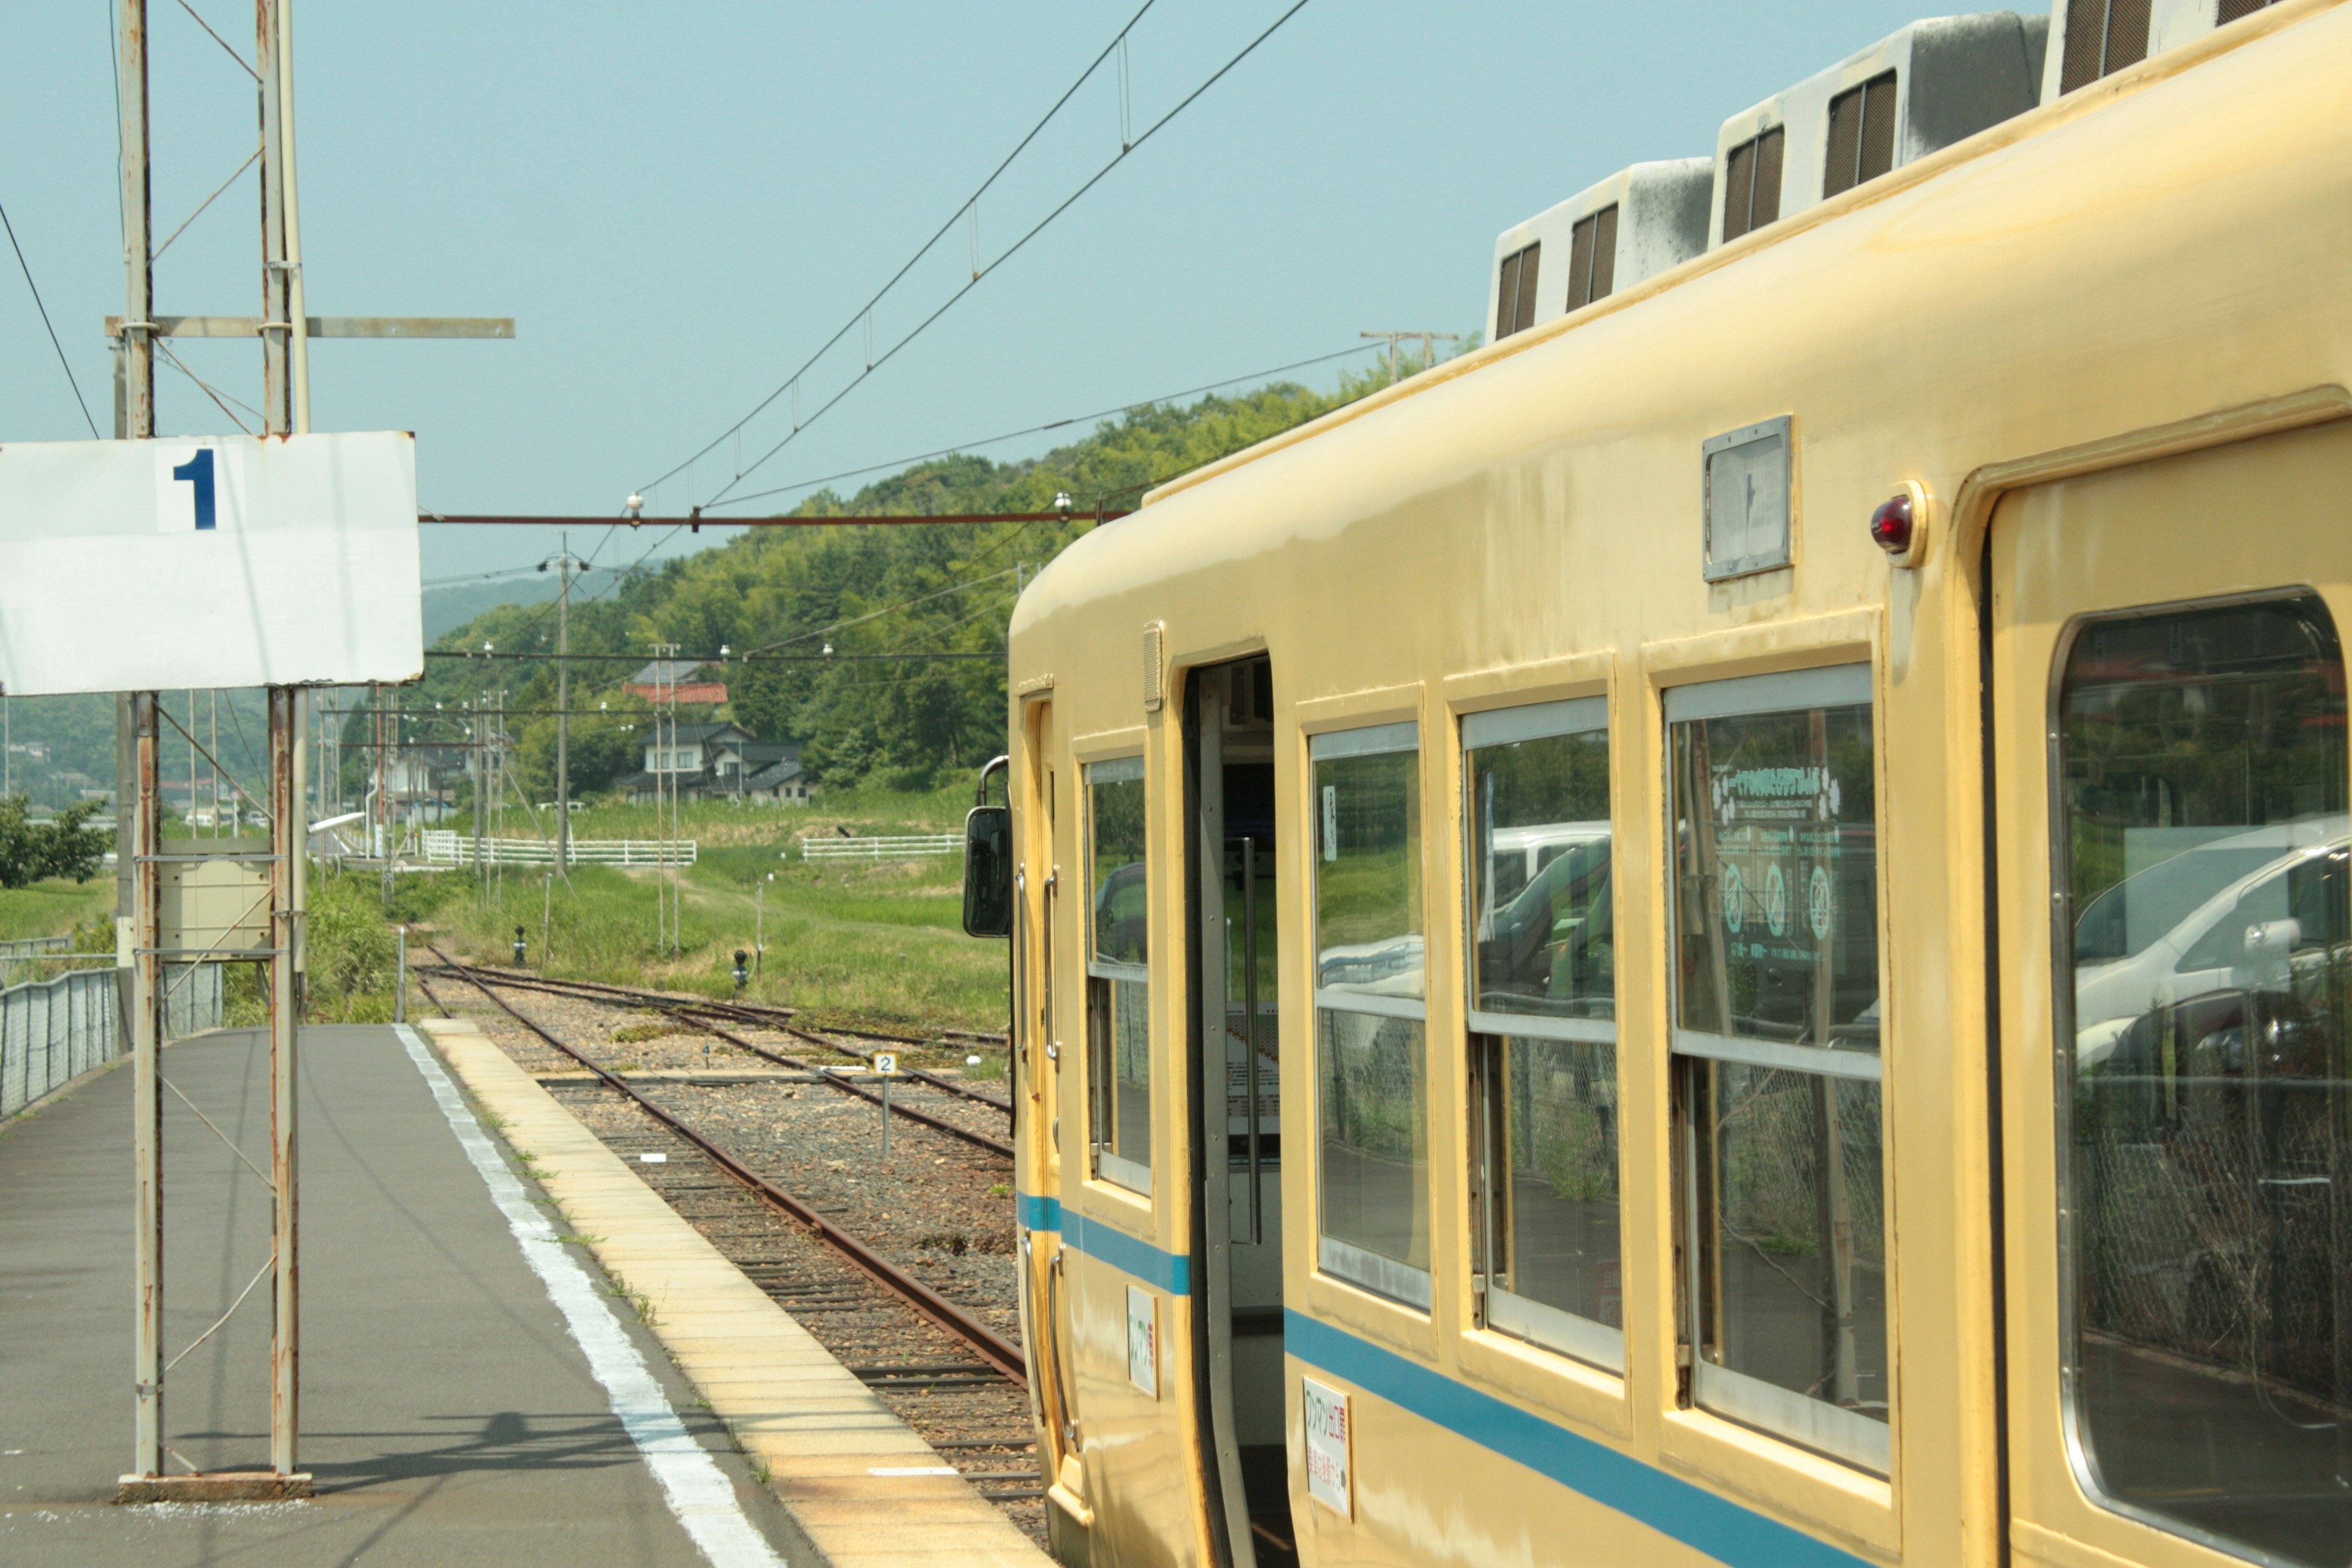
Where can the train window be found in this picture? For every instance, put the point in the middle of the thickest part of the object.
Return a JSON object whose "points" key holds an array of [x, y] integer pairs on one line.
{"points": [[1119, 983], [1862, 134], [1777, 1045], [1543, 1012], [2207, 1038], [1371, 1070]]}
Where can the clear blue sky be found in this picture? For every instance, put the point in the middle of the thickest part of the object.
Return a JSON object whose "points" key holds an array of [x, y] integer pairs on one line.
{"points": [[679, 202]]}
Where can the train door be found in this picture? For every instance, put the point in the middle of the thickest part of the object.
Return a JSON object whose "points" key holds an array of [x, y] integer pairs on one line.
{"points": [[1237, 1138], [1037, 899], [2174, 930]]}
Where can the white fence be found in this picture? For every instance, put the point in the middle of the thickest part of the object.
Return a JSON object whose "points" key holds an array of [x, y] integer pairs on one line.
{"points": [[909, 847], [55, 1030], [444, 847]]}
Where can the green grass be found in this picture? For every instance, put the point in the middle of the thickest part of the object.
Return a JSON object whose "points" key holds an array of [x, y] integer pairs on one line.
{"points": [[54, 907], [851, 941]]}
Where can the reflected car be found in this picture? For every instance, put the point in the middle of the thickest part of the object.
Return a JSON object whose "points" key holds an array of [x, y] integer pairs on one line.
{"points": [[2239, 913]]}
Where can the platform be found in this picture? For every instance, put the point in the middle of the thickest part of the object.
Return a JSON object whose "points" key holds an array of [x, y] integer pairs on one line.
{"points": [[862, 1488], [450, 1412]]}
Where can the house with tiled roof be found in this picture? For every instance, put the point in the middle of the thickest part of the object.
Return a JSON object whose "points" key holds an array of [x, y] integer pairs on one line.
{"points": [[719, 762]]}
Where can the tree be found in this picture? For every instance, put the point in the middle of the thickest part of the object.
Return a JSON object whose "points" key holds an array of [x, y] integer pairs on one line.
{"points": [[31, 851]]}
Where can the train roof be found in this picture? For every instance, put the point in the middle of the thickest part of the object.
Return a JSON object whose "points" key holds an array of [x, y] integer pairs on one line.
{"points": [[2134, 231]]}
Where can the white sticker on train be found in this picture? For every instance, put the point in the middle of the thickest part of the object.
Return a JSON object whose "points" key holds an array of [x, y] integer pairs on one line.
{"points": [[1142, 1340], [1330, 1478]]}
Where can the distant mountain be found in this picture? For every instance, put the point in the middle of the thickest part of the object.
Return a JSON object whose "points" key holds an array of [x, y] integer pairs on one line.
{"points": [[446, 609]]}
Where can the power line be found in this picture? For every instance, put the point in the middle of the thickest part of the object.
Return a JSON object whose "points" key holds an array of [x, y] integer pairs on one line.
{"points": [[924, 249], [1039, 429], [36, 288], [979, 273], [1014, 249]]}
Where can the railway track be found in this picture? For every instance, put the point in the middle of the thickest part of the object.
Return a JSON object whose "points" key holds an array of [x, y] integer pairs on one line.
{"points": [[943, 1370], [699, 1019], [776, 1018]]}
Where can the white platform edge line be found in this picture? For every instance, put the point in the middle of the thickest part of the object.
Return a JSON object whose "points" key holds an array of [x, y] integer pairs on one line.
{"points": [[698, 1492]]}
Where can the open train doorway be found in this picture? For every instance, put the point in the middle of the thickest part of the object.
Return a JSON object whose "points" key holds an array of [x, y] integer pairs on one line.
{"points": [[1238, 1142]]}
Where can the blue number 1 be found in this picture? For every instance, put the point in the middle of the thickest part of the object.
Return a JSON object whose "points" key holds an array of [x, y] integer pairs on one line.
{"points": [[198, 471]]}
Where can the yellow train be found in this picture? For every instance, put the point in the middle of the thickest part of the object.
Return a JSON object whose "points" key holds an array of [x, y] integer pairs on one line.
{"points": [[1721, 931]]}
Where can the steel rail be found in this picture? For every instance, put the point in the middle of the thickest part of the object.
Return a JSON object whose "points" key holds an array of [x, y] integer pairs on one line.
{"points": [[992, 1349], [685, 1018], [934, 1079], [978, 1139], [766, 1018]]}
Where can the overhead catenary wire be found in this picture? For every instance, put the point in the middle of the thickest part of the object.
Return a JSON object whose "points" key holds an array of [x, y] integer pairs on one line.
{"points": [[63, 362], [875, 362], [896, 463], [864, 312], [1039, 429]]}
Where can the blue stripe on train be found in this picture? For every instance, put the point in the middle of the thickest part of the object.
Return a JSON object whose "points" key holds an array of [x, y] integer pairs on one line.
{"points": [[1127, 1254], [1673, 1508]]}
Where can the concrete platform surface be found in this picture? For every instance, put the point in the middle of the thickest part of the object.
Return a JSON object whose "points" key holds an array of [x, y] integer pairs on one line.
{"points": [[862, 1487], [450, 1412]]}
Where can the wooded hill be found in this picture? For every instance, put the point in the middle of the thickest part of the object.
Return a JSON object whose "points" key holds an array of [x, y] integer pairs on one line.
{"points": [[898, 724]]}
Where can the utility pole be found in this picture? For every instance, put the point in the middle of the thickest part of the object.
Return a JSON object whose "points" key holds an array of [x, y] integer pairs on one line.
{"points": [[135, 781], [565, 563], [1428, 341], [479, 767], [667, 903]]}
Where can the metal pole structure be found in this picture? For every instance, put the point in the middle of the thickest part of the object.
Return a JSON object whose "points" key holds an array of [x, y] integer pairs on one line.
{"points": [[481, 874], [285, 1015], [276, 322], [146, 1090], [562, 712], [297, 321], [139, 302], [136, 783]]}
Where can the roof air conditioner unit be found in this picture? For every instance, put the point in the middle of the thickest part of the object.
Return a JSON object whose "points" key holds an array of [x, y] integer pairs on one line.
{"points": [[1931, 84], [1631, 225], [2090, 38]]}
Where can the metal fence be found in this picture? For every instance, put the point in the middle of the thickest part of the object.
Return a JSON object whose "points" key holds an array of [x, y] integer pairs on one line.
{"points": [[53, 1031], [444, 847], [912, 847], [28, 948]]}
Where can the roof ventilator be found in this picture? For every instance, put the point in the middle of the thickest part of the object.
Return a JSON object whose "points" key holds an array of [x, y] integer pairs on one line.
{"points": [[1632, 225], [1919, 90]]}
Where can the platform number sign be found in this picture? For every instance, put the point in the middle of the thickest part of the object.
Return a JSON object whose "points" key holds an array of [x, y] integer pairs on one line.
{"points": [[886, 1063], [198, 472], [1143, 1340], [1330, 1470]]}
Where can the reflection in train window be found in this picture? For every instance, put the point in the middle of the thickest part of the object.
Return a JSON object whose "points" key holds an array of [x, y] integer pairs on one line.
{"points": [[1777, 1041], [2208, 1146], [1371, 1070], [1118, 991], [1543, 1046]]}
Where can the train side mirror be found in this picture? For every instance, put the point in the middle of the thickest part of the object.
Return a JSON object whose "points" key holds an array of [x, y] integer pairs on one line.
{"points": [[988, 871]]}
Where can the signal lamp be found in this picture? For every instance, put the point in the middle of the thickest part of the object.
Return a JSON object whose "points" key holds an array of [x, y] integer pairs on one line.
{"points": [[1890, 525], [1899, 526]]}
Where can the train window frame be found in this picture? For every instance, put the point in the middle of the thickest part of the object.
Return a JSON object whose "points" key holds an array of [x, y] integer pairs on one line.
{"points": [[1814, 1426], [1493, 1309], [2071, 1194], [1393, 1281], [1104, 977]]}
